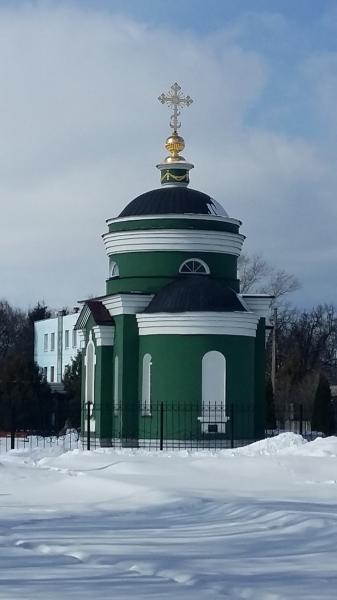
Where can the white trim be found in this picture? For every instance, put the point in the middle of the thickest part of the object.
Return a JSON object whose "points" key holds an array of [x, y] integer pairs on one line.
{"points": [[126, 304], [259, 304], [116, 385], [189, 216], [182, 165], [198, 323], [187, 240], [80, 339], [104, 335], [271, 296]]}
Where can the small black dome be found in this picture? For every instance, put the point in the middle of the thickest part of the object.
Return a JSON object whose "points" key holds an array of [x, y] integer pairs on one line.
{"points": [[195, 293], [173, 200]]}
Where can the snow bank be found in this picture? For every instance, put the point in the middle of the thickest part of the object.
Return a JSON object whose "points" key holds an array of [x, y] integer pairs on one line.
{"points": [[256, 523], [284, 443], [290, 444]]}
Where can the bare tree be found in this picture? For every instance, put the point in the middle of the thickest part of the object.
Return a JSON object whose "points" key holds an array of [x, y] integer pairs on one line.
{"points": [[307, 340], [258, 276], [280, 283], [306, 348]]}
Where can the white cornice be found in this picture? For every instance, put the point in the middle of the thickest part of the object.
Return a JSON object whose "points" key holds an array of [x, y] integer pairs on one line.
{"points": [[126, 304], [104, 335], [81, 338], [187, 240], [189, 216], [198, 323], [259, 304]]}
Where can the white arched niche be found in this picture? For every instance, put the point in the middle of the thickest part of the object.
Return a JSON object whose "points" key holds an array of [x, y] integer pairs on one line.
{"points": [[213, 416], [90, 362], [146, 385]]}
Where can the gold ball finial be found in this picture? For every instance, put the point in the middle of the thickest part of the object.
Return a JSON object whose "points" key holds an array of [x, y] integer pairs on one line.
{"points": [[174, 144]]}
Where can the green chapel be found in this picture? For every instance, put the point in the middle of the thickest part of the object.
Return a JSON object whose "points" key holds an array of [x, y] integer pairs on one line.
{"points": [[173, 354]]}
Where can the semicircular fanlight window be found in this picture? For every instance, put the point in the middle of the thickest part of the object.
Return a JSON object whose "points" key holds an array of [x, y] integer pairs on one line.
{"points": [[114, 270], [194, 266]]}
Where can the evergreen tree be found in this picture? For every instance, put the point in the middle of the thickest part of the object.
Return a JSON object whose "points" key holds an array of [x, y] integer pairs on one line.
{"points": [[25, 397], [323, 413], [270, 406], [39, 312], [13, 327], [72, 387]]}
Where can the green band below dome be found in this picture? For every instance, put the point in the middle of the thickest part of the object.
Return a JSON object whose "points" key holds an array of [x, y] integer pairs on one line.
{"points": [[174, 176]]}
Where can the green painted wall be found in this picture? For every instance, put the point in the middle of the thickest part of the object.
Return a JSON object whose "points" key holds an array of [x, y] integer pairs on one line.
{"points": [[104, 391], [149, 271], [103, 388], [174, 223], [125, 424], [176, 381]]}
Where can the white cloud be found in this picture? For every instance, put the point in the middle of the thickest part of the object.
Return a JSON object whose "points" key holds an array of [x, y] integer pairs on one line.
{"points": [[81, 131]]}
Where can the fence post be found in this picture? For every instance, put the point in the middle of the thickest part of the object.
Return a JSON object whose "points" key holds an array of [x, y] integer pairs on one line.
{"points": [[161, 426], [12, 426], [232, 425], [88, 425], [301, 419]]}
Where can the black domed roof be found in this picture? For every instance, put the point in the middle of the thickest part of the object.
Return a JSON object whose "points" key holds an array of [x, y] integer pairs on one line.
{"points": [[195, 293], [173, 200]]}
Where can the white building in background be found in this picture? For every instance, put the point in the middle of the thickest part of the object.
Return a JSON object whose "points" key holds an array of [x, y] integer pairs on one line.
{"points": [[56, 343]]}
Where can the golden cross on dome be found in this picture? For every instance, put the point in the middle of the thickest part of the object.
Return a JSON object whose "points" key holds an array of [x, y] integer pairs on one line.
{"points": [[175, 99]]}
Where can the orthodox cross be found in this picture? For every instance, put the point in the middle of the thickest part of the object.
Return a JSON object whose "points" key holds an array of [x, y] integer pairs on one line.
{"points": [[175, 99]]}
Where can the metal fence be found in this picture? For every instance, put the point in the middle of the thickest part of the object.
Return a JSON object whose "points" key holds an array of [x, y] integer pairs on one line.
{"points": [[160, 427]]}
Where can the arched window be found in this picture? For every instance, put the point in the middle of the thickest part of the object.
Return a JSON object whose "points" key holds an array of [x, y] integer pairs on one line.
{"points": [[90, 361], [146, 385], [114, 269], [194, 265], [213, 417], [116, 384]]}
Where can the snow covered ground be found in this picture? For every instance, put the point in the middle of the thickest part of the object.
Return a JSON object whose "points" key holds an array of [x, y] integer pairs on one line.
{"points": [[256, 523]]}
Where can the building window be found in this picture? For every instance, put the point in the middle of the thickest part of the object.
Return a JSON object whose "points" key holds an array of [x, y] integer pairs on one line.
{"points": [[45, 373], [52, 341], [213, 415], [146, 385], [52, 374], [74, 338], [114, 270], [45, 342], [194, 265], [66, 338], [116, 383]]}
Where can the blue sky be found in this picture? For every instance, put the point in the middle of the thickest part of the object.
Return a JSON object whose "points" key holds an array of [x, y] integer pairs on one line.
{"points": [[79, 113], [205, 16], [284, 32]]}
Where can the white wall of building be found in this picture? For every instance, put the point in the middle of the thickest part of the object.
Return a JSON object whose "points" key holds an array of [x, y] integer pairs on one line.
{"points": [[55, 345]]}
